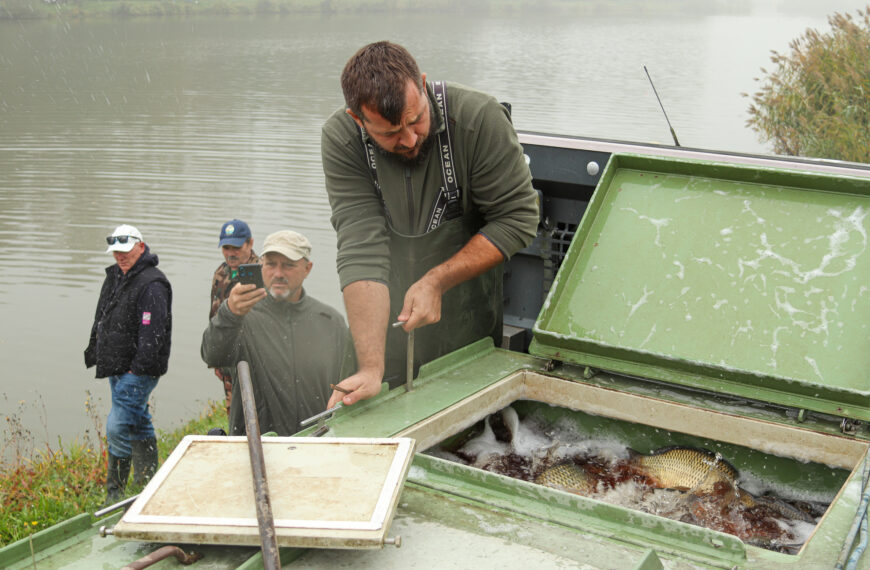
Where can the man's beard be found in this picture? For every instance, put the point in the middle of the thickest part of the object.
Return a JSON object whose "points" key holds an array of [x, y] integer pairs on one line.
{"points": [[416, 160], [280, 295], [421, 155]]}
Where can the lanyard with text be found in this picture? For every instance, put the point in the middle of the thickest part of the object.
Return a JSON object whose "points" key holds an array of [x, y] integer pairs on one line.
{"points": [[448, 204]]}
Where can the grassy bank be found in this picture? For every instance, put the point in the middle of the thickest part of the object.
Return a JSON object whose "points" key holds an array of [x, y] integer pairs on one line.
{"points": [[51, 485]]}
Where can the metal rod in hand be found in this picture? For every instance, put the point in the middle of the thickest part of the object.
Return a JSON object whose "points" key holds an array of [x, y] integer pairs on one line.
{"points": [[409, 358], [409, 367], [268, 539]]}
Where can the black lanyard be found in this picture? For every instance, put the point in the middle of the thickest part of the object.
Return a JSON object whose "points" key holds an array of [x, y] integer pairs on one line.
{"points": [[448, 203]]}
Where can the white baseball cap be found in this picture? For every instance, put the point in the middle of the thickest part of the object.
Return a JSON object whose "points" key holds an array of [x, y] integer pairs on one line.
{"points": [[123, 239]]}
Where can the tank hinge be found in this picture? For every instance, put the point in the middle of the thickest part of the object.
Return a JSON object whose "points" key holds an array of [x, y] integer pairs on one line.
{"points": [[849, 426], [802, 415], [552, 365], [589, 372]]}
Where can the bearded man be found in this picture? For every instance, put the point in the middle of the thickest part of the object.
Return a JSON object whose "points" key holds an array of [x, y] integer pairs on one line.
{"points": [[295, 345], [430, 194]]}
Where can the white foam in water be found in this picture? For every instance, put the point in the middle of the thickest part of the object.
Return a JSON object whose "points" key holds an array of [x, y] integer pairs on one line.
{"points": [[756, 485], [485, 447], [545, 445], [526, 440]]}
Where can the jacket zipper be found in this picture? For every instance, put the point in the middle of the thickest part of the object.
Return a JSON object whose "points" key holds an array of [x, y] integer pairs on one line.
{"points": [[410, 196]]}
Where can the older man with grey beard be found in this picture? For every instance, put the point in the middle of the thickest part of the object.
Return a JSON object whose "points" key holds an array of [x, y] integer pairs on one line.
{"points": [[296, 345]]}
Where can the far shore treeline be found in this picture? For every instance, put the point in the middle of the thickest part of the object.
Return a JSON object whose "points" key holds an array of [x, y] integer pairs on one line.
{"points": [[71, 9]]}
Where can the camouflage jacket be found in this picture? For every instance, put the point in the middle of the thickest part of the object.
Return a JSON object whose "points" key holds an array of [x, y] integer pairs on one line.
{"points": [[223, 280]]}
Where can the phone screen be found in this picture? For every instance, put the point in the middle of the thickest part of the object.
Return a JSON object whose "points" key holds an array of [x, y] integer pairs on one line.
{"points": [[251, 273]]}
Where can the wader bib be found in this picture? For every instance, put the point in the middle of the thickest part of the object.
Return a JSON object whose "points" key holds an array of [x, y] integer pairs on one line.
{"points": [[469, 311]]}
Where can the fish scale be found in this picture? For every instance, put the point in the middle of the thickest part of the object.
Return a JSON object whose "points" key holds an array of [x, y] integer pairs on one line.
{"points": [[685, 468], [568, 477]]}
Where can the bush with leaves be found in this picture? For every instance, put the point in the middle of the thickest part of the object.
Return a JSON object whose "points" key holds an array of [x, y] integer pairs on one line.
{"points": [[817, 100]]}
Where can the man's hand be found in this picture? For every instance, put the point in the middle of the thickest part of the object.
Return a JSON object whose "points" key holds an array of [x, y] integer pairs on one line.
{"points": [[422, 305], [362, 385], [243, 297]]}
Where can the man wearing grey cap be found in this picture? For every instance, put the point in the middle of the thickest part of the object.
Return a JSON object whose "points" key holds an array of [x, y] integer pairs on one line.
{"points": [[129, 344], [296, 345]]}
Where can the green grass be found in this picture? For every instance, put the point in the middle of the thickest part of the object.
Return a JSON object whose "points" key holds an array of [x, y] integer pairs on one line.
{"points": [[49, 485]]}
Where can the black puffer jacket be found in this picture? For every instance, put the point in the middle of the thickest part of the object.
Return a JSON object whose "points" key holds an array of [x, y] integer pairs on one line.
{"points": [[132, 328]]}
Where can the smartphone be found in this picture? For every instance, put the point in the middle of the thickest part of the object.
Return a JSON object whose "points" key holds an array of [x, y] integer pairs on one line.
{"points": [[251, 273]]}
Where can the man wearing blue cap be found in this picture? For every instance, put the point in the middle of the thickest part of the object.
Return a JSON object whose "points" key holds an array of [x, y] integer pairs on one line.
{"points": [[237, 245]]}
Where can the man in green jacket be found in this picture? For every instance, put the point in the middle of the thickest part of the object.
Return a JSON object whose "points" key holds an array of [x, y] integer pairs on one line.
{"points": [[295, 345], [430, 193]]}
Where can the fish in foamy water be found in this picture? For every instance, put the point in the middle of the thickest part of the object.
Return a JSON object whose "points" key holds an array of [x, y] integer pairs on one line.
{"points": [[568, 477], [776, 506], [684, 468]]}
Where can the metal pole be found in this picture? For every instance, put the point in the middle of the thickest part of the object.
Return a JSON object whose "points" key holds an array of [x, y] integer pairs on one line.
{"points": [[268, 539], [122, 504], [409, 365], [409, 358]]}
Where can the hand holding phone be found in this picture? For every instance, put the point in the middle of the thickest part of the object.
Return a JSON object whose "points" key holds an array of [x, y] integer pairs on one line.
{"points": [[251, 273], [240, 303]]}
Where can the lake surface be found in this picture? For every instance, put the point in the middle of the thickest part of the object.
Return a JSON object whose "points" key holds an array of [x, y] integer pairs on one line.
{"points": [[176, 125]]}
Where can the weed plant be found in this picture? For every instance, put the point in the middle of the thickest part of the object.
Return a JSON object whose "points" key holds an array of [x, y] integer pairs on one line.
{"points": [[44, 485], [817, 100]]}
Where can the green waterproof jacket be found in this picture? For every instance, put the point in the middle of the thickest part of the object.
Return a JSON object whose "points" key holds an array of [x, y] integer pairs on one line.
{"points": [[294, 350], [490, 168]]}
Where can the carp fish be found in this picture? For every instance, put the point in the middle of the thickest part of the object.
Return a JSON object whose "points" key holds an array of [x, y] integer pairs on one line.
{"points": [[684, 468], [568, 477]]}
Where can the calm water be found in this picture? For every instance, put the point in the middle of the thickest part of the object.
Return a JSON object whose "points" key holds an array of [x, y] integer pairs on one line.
{"points": [[177, 125]]}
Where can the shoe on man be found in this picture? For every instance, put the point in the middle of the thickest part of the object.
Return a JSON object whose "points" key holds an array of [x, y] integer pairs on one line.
{"points": [[116, 479], [144, 460]]}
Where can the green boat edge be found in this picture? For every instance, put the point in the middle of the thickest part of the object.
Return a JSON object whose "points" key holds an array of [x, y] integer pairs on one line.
{"points": [[518, 511]]}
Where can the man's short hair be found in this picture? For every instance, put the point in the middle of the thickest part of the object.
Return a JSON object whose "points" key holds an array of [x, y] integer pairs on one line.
{"points": [[376, 76]]}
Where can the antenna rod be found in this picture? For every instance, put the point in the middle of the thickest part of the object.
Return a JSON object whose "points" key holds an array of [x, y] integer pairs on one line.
{"points": [[673, 134]]}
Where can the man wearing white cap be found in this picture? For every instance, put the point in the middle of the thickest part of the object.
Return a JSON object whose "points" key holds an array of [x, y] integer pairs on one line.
{"points": [[295, 345], [129, 344]]}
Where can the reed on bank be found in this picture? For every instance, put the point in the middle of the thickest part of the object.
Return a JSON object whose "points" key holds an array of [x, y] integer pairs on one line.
{"points": [[49, 485]]}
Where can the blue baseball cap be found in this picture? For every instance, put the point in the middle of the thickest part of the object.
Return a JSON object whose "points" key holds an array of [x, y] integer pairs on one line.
{"points": [[234, 233]]}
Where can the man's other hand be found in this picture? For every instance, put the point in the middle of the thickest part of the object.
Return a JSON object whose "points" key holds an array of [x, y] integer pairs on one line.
{"points": [[362, 385]]}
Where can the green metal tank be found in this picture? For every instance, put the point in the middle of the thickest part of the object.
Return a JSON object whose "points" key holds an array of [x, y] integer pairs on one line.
{"points": [[700, 303]]}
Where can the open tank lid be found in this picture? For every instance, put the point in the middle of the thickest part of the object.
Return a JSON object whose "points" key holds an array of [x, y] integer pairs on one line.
{"points": [[324, 492], [741, 280]]}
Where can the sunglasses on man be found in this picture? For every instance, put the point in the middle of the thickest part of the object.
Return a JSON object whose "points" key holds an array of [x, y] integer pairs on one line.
{"points": [[111, 240]]}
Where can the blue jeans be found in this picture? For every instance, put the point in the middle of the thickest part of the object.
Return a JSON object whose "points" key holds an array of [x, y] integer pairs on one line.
{"points": [[129, 419]]}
